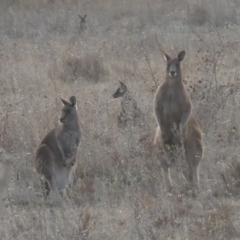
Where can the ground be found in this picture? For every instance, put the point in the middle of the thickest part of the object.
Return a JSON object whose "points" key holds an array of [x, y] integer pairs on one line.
{"points": [[118, 190]]}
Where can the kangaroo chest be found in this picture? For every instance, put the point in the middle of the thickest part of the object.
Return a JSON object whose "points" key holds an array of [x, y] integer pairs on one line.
{"points": [[171, 104], [69, 142]]}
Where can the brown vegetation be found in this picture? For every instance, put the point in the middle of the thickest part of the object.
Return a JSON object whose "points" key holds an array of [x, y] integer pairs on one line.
{"points": [[118, 189]]}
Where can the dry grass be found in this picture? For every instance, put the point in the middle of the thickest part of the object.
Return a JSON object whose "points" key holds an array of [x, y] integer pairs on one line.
{"points": [[118, 190]]}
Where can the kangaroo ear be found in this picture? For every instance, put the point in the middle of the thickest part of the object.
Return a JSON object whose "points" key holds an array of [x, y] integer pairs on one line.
{"points": [[122, 84], [166, 57], [79, 16], [64, 102], [181, 55], [85, 16], [73, 101]]}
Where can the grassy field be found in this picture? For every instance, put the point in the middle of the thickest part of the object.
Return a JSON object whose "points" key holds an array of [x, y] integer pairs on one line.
{"points": [[119, 190]]}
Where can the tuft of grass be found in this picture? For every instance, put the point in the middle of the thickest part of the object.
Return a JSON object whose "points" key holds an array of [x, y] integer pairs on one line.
{"points": [[198, 16], [89, 68], [119, 187]]}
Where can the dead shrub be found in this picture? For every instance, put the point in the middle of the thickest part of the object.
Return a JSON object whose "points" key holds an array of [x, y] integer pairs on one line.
{"points": [[216, 222], [231, 175], [223, 13], [198, 16], [89, 67], [215, 13], [83, 189]]}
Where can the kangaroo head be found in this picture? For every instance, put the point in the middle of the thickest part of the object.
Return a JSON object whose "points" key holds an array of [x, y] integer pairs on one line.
{"points": [[174, 64], [83, 19], [69, 111], [121, 91]]}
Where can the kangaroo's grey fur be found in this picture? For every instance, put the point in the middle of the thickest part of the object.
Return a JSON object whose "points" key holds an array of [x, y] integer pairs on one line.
{"points": [[83, 24], [129, 112], [176, 122], [56, 155]]}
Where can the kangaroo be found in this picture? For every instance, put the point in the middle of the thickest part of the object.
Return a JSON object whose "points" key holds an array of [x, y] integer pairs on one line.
{"points": [[83, 25], [177, 125], [55, 158], [129, 106]]}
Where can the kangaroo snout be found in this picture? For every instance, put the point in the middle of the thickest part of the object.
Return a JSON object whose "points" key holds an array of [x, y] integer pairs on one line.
{"points": [[172, 73], [62, 118], [172, 70]]}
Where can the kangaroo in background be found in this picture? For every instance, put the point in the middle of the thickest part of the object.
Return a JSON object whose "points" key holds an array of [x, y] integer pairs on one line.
{"points": [[55, 158], [129, 106], [176, 122], [83, 24]]}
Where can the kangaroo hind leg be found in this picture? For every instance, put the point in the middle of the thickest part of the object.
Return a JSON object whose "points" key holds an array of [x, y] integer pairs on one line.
{"points": [[194, 154]]}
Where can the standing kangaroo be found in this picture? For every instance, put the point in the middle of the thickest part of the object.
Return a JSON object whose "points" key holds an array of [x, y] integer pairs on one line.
{"points": [[176, 122], [56, 156], [83, 22], [129, 111]]}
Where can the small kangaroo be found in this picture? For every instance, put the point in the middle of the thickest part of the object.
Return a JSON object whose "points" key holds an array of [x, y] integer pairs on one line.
{"points": [[55, 158], [129, 106], [83, 24], [176, 122]]}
